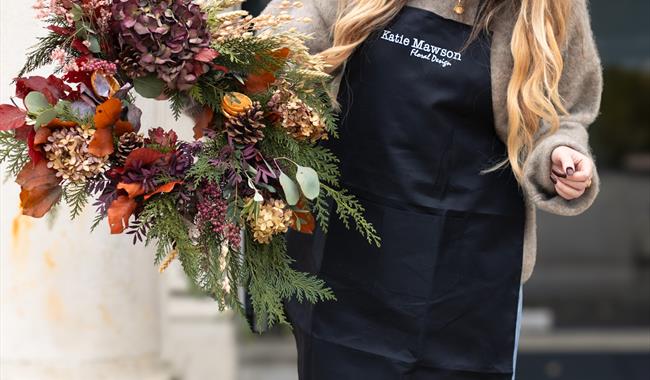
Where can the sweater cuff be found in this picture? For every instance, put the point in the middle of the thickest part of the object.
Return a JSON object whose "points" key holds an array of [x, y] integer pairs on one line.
{"points": [[537, 182]]}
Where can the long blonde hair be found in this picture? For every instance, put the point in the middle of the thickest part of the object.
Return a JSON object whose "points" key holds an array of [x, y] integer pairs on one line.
{"points": [[537, 40]]}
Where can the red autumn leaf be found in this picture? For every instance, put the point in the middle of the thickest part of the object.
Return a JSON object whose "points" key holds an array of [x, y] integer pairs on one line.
{"points": [[34, 142], [61, 30], [52, 87], [11, 117], [166, 188], [202, 121], [79, 46], [40, 188], [220, 68], [119, 213], [256, 83], [101, 143], [307, 221], [206, 55], [133, 189], [122, 127], [115, 173], [22, 133], [108, 113], [145, 156]]}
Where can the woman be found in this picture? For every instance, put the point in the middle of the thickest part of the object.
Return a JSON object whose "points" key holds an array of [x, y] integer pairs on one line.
{"points": [[458, 118]]}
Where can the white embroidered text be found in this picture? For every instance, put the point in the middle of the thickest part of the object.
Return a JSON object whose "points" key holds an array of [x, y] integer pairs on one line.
{"points": [[423, 50]]}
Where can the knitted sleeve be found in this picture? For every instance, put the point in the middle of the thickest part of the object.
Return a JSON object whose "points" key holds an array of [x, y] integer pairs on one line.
{"points": [[581, 88]]}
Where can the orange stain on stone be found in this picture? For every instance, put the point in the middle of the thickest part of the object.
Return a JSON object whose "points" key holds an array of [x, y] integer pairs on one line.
{"points": [[19, 227], [49, 260], [106, 315], [20, 242], [54, 309]]}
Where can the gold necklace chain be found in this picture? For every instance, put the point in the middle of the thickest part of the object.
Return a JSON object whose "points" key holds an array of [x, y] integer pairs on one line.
{"points": [[459, 8]]}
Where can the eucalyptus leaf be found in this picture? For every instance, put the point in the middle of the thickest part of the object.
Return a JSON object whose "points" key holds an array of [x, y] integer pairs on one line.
{"points": [[291, 191], [149, 86], [308, 180], [94, 44], [45, 117], [267, 187], [36, 102], [77, 12]]}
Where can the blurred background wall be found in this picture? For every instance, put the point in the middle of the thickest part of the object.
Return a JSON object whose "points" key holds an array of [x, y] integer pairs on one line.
{"points": [[587, 307]]}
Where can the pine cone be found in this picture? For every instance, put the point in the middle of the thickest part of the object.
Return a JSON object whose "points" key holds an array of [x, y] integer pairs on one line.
{"points": [[129, 64], [246, 128], [128, 142]]}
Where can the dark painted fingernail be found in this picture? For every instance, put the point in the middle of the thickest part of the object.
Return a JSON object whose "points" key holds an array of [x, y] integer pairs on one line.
{"points": [[561, 175], [553, 179], [570, 171]]}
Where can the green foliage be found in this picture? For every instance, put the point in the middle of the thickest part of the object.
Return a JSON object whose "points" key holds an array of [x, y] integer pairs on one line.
{"points": [[348, 207], [217, 269], [277, 143], [209, 91], [267, 270], [202, 170], [13, 152], [170, 230], [76, 196], [39, 54], [249, 55], [96, 220], [177, 102], [322, 211]]}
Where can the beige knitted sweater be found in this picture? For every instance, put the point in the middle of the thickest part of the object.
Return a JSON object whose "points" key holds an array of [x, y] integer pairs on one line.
{"points": [[581, 88]]}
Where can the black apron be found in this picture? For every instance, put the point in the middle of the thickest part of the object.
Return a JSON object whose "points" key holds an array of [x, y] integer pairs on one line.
{"points": [[439, 299]]}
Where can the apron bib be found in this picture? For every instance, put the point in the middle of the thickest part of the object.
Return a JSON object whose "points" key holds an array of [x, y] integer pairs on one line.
{"points": [[439, 299]]}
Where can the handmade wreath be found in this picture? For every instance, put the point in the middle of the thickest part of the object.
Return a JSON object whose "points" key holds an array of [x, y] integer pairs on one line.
{"points": [[221, 203]]}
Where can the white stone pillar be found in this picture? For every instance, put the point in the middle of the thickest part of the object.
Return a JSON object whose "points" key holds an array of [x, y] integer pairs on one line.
{"points": [[73, 305]]}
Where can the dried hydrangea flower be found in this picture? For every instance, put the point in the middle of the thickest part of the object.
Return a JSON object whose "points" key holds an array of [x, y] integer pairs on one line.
{"points": [[162, 38], [67, 152], [298, 119], [273, 218]]}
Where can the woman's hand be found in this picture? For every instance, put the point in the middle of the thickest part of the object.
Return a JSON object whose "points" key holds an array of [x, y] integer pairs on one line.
{"points": [[571, 172]]}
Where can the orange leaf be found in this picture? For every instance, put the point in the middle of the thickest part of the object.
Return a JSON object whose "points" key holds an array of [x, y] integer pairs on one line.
{"points": [[122, 127], [307, 221], [281, 53], [202, 121], [40, 188], [107, 113], [58, 123], [256, 83], [41, 136], [119, 213], [133, 189], [101, 143], [166, 188]]}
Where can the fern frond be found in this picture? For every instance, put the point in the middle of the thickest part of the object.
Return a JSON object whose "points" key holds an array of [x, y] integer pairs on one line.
{"points": [[76, 196]]}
